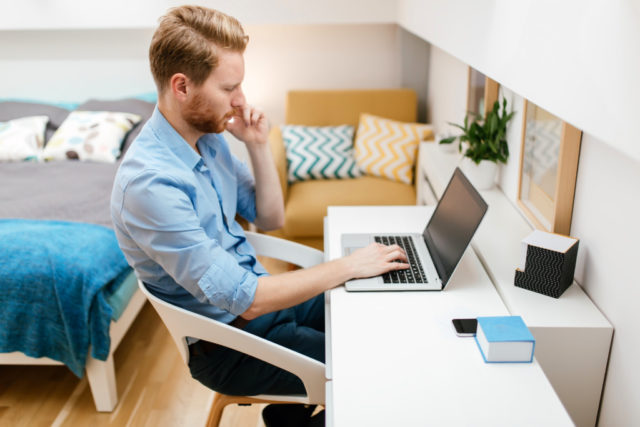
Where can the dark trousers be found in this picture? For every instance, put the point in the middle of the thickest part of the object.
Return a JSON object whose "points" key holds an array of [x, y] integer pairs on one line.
{"points": [[300, 328]]}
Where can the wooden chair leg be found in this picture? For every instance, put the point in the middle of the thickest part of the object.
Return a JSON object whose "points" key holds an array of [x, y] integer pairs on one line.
{"points": [[220, 401], [215, 414]]}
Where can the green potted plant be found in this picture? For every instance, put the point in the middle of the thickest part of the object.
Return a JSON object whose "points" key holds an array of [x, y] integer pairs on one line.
{"points": [[484, 143]]}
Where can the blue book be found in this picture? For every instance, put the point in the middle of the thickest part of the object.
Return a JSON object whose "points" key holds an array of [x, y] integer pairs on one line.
{"points": [[505, 339]]}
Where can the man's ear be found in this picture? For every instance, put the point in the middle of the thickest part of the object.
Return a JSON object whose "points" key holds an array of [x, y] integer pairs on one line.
{"points": [[179, 84]]}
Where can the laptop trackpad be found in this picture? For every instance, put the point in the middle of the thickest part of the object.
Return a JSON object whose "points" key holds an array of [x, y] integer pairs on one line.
{"points": [[349, 250], [353, 242]]}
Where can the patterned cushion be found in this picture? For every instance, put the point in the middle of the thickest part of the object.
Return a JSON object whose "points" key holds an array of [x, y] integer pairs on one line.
{"points": [[387, 148], [319, 152], [90, 135], [142, 108], [22, 139]]}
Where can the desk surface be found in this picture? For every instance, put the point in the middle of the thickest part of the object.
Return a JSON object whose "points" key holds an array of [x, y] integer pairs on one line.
{"points": [[394, 359]]}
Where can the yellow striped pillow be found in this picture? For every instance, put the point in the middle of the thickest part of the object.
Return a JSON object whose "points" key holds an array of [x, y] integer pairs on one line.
{"points": [[387, 148]]}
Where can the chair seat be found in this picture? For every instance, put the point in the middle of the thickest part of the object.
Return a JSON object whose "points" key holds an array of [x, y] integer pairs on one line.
{"points": [[307, 201]]}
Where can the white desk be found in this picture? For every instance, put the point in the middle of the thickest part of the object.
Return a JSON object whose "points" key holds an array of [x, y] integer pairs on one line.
{"points": [[572, 337], [394, 359]]}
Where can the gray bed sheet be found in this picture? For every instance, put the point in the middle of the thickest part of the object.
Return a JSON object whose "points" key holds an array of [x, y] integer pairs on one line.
{"points": [[62, 190]]}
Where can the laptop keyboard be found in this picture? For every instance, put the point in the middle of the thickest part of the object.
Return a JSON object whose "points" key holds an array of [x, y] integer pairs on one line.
{"points": [[415, 273]]}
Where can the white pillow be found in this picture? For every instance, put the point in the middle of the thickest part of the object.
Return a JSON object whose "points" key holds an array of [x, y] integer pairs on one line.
{"points": [[22, 139], [90, 135]]}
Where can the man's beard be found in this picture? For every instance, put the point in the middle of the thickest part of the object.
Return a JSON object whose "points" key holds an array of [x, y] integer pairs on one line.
{"points": [[199, 114]]}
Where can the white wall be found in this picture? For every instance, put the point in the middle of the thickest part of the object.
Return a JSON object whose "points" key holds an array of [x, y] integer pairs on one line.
{"points": [[73, 65], [74, 14], [605, 219], [446, 98], [280, 58], [414, 60]]}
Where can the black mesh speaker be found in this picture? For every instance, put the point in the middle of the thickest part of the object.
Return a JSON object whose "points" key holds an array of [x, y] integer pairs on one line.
{"points": [[548, 272]]}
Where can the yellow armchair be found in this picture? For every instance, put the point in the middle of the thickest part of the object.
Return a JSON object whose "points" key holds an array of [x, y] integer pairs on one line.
{"points": [[306, 202]]}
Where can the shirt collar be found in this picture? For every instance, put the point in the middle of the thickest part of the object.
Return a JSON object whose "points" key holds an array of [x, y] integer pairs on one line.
{"points": [[173, 140], [207, 145]]}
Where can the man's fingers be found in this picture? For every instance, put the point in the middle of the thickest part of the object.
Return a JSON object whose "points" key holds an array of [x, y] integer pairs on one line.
{"points": [[395, 255], [249, 114], [396, 252], [256, 115], [246, 114], [400, 266]]}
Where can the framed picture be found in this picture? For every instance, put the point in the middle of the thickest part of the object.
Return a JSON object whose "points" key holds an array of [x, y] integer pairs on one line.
{"points": [[482, 92], [548, 169]]}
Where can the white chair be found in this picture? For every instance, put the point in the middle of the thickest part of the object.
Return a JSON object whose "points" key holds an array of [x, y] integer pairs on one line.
{"points": [[182, 323]]}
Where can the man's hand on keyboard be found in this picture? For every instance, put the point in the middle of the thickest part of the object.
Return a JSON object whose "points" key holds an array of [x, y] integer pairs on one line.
{"points": [[376, 259]]}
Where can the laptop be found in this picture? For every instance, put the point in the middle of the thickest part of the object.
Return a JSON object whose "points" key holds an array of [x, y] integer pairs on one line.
{"points": [[434, 254]]}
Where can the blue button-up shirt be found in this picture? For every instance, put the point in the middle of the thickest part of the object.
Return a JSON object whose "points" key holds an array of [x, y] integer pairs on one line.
{"points": [[174, 216]]}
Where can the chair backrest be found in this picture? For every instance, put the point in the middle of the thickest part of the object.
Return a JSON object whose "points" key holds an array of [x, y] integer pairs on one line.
{"points": [[182, 323], [338, 107]]}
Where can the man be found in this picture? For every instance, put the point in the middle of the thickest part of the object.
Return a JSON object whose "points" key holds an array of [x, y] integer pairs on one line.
{"points": [[176, 196]]}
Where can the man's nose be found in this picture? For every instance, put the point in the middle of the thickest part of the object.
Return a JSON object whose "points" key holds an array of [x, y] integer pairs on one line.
{"points": [[239, 99]]}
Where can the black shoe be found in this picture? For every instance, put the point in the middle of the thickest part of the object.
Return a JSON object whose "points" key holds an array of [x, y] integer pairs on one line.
{"points": [[287, 415]]}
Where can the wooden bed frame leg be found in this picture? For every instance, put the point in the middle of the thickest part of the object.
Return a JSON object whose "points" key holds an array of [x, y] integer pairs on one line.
{"points": [[102, 380]]}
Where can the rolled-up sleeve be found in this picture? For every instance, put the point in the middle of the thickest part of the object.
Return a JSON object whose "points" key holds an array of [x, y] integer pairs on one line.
{"points": [[238, 299], [159, 215]]}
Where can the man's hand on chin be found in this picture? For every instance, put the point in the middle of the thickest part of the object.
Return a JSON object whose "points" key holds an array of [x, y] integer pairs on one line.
{"points": [[249, 125]]}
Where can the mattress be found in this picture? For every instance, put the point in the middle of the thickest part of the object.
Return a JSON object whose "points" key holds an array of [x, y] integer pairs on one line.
{"points": [[64, 190], [121, 296]]}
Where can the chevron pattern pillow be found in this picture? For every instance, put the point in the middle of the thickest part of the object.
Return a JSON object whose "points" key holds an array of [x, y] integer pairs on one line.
{"points": [[319, 152], [387, 148]]}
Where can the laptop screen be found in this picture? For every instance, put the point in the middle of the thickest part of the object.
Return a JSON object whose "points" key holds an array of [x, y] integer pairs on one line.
{"points": [[453, 224]]}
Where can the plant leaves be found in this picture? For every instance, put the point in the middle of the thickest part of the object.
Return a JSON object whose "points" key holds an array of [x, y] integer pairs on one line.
{"points": [[484, 138]]}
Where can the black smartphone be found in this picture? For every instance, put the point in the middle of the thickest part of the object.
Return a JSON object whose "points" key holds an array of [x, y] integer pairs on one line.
{"points": [[465, 327]]}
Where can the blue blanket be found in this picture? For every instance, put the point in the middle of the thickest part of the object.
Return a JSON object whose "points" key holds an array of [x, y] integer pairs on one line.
{"points": [[54, 277]]}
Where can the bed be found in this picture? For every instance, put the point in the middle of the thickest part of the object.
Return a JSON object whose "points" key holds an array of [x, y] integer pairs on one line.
{"points": [[75, 193]]}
